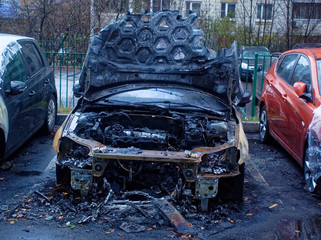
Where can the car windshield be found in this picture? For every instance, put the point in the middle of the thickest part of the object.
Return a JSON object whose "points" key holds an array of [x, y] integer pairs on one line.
{"points": [[250, 53], [169, 98], [319, 74]]}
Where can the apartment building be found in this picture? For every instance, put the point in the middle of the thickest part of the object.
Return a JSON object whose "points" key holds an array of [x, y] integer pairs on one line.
{"points": [[300, 17]]}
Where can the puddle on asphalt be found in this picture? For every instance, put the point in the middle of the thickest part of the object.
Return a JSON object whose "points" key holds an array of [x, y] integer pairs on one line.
{"points": [[299, 229]]}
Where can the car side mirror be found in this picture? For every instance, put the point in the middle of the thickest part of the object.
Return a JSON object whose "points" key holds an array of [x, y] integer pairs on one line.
{"points": [[303, 91], [299, 88], [16, 87], [259, 68], [246, 98]]}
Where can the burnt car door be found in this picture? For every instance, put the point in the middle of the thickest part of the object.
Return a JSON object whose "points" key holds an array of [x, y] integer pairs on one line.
{"points": [[16, 99], [277, 90], [37, 80]]}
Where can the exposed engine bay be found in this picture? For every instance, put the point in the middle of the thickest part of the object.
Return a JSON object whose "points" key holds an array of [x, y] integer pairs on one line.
{"points": [[139, 149], [175, 132]]}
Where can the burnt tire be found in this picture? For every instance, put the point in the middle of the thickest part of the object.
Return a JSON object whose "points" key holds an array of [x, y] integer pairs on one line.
{"points": [[63, 175], [264, 130], [231, 188], [51, 115], [310, 185]]}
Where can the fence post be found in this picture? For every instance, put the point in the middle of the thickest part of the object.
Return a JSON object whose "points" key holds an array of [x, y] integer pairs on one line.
{"points": [[256, 58]]}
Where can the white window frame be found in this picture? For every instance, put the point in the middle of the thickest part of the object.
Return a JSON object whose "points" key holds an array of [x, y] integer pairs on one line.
{"points": [[226, 9], [262, 8], [193, 3]]}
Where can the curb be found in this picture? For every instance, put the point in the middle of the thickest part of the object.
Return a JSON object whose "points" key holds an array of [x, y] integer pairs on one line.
{"points": [[248, 126]]}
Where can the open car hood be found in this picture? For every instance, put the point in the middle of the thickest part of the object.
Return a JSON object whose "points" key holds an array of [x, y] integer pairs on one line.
{"points": [[157, 48]]}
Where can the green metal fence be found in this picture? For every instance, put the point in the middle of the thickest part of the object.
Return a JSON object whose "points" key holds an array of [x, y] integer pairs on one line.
{"points": [[67, 68], [66, 58], [252, 74]]}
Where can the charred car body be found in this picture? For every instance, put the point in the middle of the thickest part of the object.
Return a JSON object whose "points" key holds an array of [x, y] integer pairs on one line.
{"points": [[157, 109]]}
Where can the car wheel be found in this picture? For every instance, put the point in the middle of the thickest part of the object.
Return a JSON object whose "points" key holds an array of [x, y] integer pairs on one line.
{"points": [[232, 188], [310, 184], [2, 146], [264, 126], [51, 115]]}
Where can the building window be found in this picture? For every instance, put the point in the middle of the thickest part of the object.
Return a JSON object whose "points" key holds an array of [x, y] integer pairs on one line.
{"points": [[193, 6], [160, 5], [307, 10], [228, 10], [264, 12]]}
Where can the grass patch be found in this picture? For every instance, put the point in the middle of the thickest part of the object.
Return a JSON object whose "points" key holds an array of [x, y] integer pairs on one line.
{"points": [[64, 110], [251, 119]]}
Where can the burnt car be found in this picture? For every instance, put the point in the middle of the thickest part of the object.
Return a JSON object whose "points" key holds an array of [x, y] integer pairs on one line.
{"points": [[156, 111], [28, 96]]}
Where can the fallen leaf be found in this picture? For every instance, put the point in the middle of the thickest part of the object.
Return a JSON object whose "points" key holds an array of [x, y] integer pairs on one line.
{"points": [[65, 193], [60, 217], [1, 178], [297, 231], [249, 214], [121, 234], [68, 224], [150, 229], [12, 222], [23, 209], [202, 228], [191, 225], [72, 226], [230, 220], [273, 206]]}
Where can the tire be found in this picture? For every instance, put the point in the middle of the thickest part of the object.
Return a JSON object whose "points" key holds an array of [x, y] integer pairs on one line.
{"points": [[264, 129], [232, 188], [310, 185], [51, 116], [2, 146]]}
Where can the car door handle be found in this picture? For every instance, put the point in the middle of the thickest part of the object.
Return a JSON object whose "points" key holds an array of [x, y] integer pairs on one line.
{"points": [[284, 96], [32, 93], [47, 80], [270, 81]]}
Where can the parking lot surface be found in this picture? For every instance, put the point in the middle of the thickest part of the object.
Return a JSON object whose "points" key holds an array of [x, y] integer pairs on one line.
{"points": [[275, 205]]}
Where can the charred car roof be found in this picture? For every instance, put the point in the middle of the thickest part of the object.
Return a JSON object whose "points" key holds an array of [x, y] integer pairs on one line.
{"points": [[157, 49]]}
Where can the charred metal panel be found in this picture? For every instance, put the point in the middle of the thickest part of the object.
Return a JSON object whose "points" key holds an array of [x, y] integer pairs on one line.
{"points": [[165, 50], [176, 219]]}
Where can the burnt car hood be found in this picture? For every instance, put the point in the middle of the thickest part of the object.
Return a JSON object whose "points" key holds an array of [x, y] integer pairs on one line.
{"points": [[157, 49]]}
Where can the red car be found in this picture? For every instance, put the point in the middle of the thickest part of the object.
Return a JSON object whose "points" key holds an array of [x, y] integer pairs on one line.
{"points": [[290, 100]]}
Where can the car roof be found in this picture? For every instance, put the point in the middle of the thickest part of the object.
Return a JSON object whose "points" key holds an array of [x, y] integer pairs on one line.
{"points": [[254, 47], [313, 52], [6, 39]]}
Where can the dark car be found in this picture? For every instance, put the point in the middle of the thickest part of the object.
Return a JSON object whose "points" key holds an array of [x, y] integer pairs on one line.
{"points": [[157, 111], [28, 98], [247, 57], [290, 110]]}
